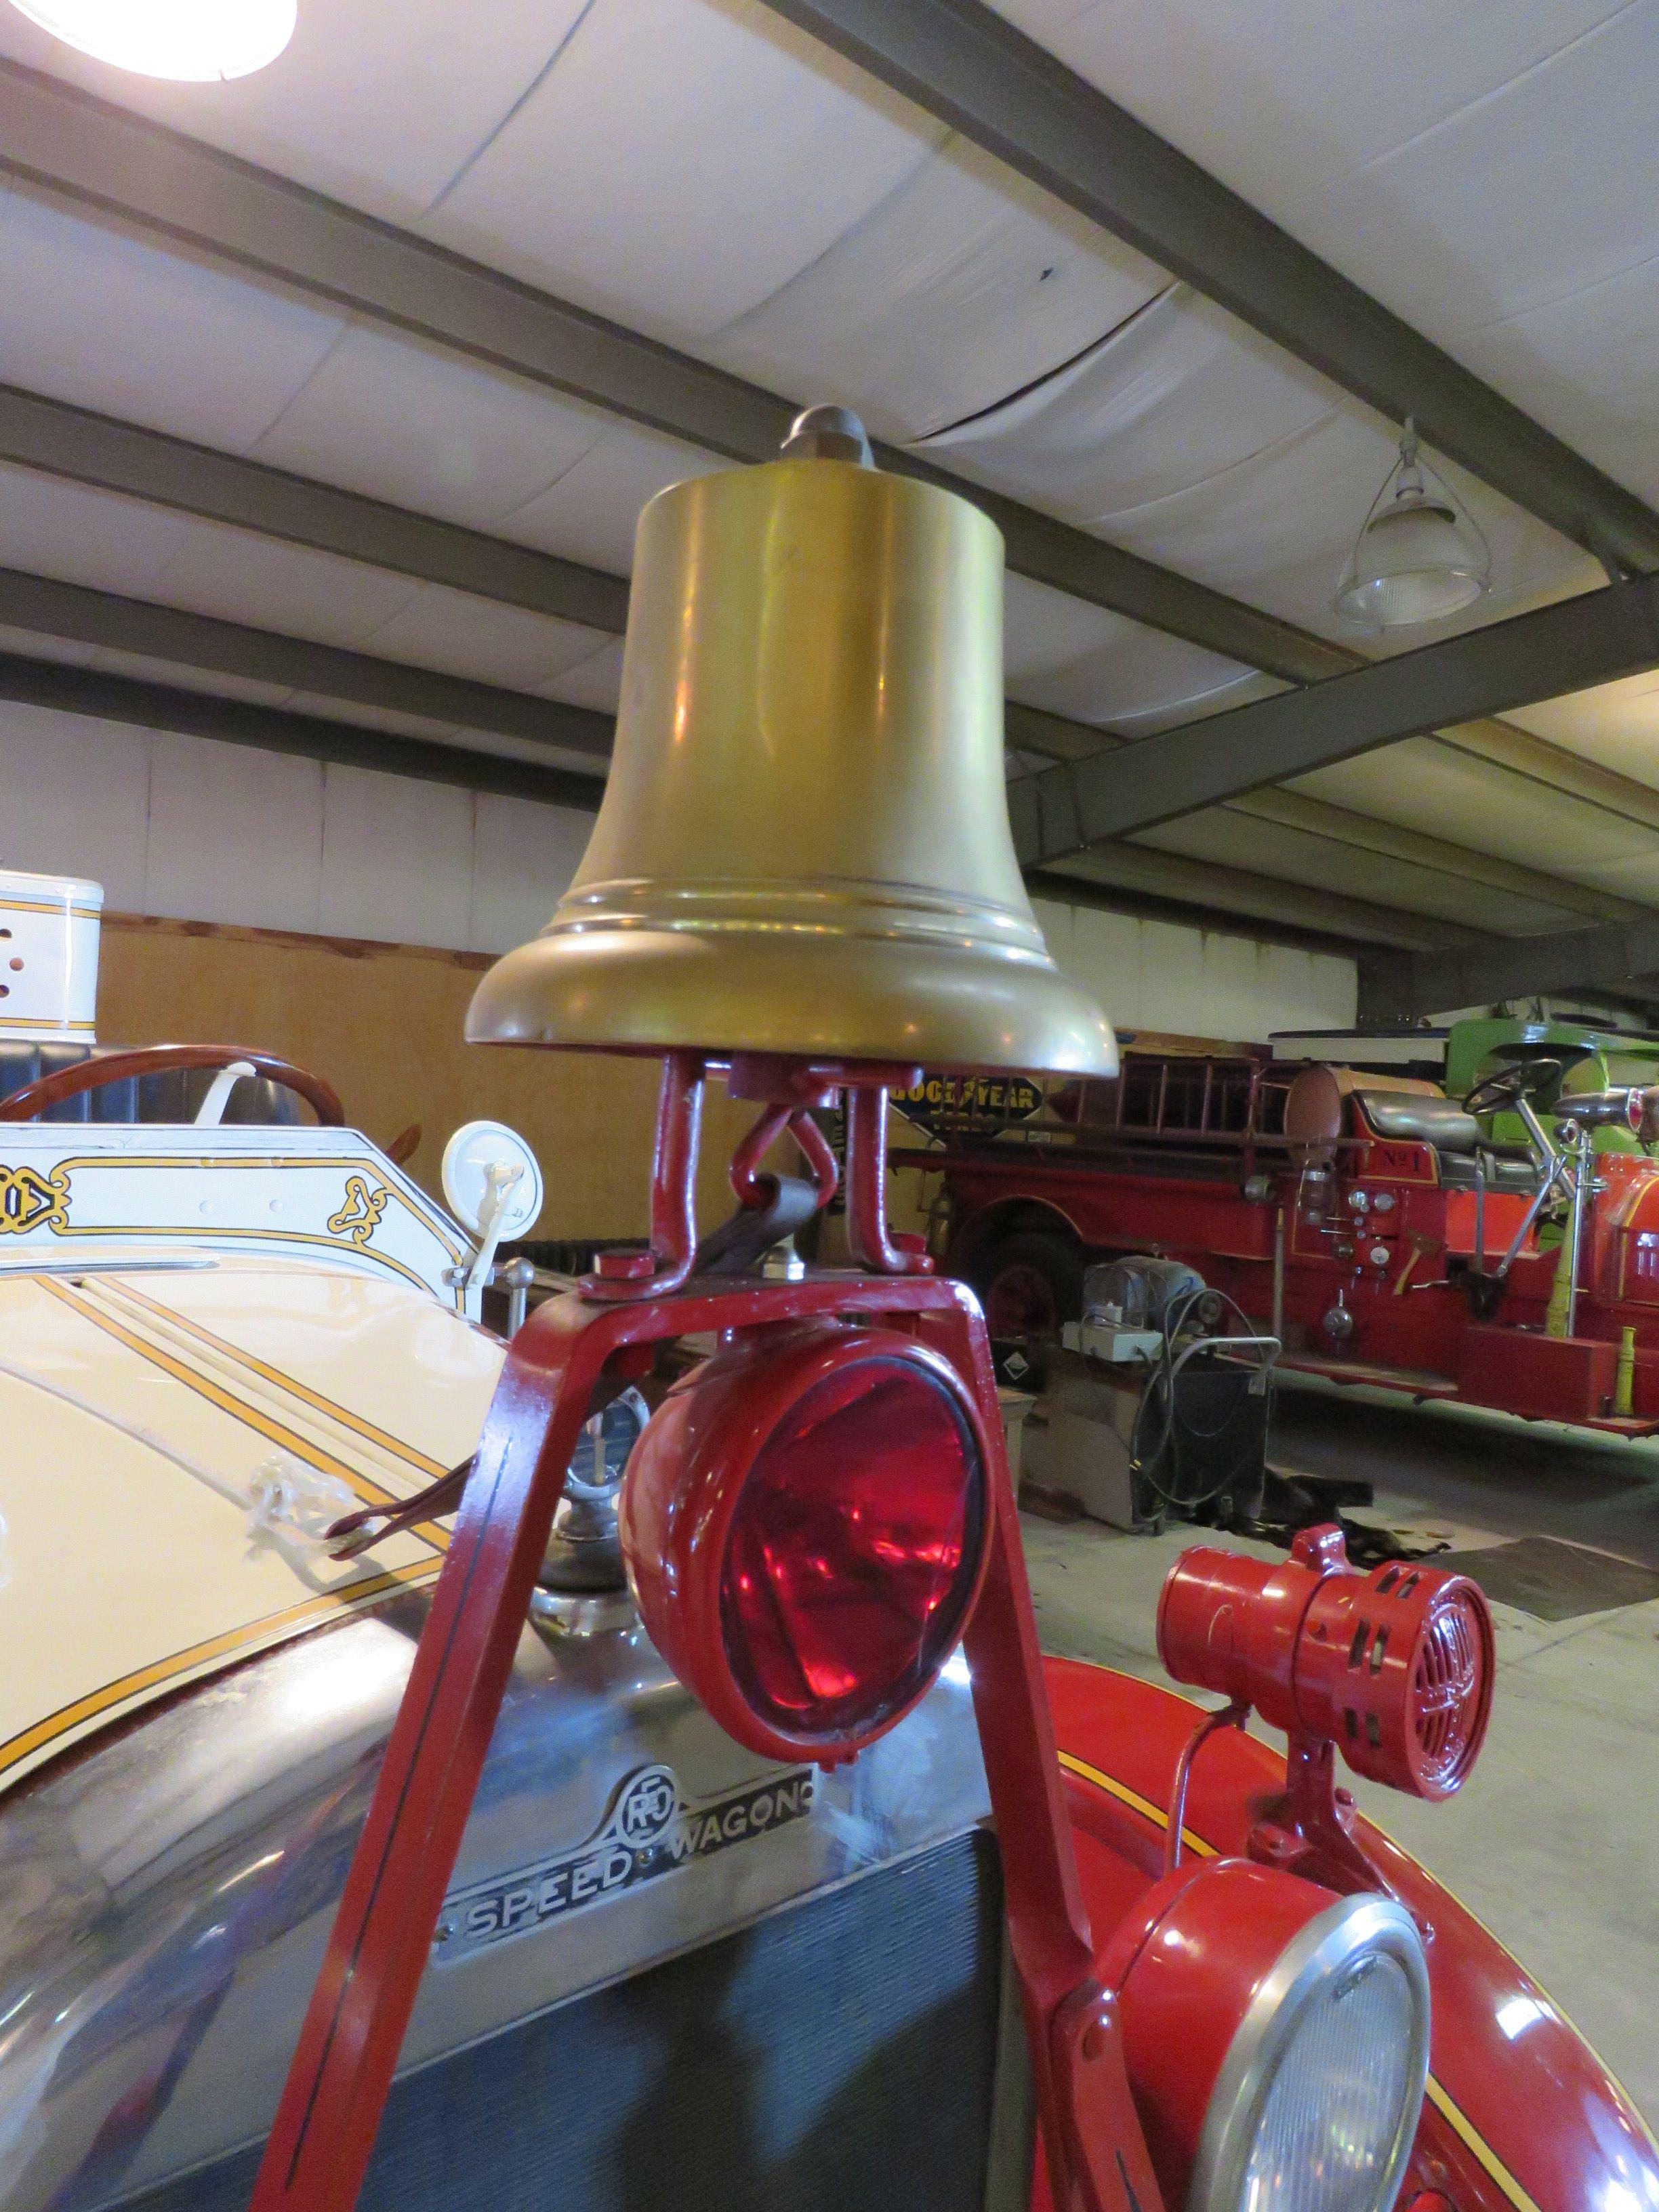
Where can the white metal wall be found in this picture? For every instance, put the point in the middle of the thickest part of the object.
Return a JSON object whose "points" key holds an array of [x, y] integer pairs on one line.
{"points": [[1162, 975], [211, 832]]}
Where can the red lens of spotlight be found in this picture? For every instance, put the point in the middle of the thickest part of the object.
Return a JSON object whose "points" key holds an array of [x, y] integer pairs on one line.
{"points": [[805, 1526], [854, 1540]]}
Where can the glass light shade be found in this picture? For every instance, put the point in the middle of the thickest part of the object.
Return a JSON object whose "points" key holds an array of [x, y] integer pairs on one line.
{"points": [[197, 41], [1413, 562]]}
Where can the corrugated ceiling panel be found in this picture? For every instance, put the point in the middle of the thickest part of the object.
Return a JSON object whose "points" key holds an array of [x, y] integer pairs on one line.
{"points": [[679, 162], [232, 573], [375, 104], [1282, 99], [1587, 365], [590, 514], [424, 429], [443, 629], [120, 545], [1241, 841], [595, 682], [1616, 724], [84, 537], [1453, 161], [1095, 666], [964, 284], [1426, 786], [112, 323], [1191, 440]]}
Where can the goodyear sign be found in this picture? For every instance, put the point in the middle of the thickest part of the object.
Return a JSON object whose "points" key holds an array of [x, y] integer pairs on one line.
{"points": [[947, 1102], [651, 1828]]}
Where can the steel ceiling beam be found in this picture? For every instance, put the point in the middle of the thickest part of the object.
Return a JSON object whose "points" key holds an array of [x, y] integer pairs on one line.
{"points": [[963, 64], [1248, 899], [1553, 770], [57, 440], [1415, 848], [153, 706], [1565, 646], [121, 168], [1194, 906], [1615, 956], [1032, 732], [77, 615]]}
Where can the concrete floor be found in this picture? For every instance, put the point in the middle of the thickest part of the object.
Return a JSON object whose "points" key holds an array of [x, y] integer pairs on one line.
{"points": [[1554, 1842]]}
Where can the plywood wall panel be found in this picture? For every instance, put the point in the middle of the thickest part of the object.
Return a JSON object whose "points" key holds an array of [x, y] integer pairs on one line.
{"points": [[384, 1025]]}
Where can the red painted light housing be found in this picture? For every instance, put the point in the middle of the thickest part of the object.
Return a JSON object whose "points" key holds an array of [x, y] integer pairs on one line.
{"points": [[1393, 1666], [804, 1522], [1276, 2037]]}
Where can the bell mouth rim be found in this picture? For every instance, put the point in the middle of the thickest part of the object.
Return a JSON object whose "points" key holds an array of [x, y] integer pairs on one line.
{"points": [[949, 1006]]}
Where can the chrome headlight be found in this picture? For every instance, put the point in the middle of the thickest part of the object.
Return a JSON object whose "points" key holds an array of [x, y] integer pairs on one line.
{"points": [[1317, 2099], [1276, 2039]]}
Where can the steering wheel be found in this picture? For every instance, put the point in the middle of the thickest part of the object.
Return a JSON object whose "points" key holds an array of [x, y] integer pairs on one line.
{"points": [[1506, 1086], [33, 1099]]}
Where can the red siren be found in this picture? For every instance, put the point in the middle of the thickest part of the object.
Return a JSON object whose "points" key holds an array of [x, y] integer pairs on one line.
{"points": [[1393, 1666]]}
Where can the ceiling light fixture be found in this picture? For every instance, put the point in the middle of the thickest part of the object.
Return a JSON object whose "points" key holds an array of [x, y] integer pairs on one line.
{"points": [[197, 41], [1419, 555]]}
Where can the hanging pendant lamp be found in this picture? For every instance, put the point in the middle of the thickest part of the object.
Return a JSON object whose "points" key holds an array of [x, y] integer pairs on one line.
{"points": [[1419, 555], [194, 41]]}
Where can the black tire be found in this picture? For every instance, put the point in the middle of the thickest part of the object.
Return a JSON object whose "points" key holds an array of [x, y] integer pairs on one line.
{"points": [[1028, 1283]]}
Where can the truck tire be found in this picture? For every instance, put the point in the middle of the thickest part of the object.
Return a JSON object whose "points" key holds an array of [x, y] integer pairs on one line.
{"points": [[1028, 1283]]}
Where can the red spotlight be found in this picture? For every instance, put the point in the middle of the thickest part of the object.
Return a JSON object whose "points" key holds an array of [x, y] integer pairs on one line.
{"points": [[1393, 1666], [804, 1522]]}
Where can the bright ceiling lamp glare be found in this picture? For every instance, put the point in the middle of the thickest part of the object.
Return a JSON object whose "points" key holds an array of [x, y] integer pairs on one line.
{"points": [[193, 41], [804, 1523], [1419, 556], [1277, 2039]]}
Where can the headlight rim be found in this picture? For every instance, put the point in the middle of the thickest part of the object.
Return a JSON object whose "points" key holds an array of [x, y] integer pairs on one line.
{"points": [[1331, 1941]]}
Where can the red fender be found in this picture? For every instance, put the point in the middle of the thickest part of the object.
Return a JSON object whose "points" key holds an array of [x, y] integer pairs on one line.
{"points": [[1521, 2115]]}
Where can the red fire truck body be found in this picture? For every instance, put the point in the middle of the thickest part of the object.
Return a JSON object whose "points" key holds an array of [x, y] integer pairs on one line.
{"points": [[1367, 1224]]}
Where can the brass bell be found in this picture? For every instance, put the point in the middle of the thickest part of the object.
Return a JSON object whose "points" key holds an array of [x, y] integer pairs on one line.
{"points": [[804, 845]]}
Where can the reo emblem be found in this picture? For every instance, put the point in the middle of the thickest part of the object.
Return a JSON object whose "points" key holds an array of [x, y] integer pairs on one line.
{"points": [[651, 1828]]}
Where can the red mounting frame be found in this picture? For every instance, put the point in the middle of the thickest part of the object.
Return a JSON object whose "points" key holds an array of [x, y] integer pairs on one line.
{"points": [[342, 2068]]}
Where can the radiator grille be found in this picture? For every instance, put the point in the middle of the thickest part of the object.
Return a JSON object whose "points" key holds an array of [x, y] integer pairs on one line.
{"points": [[837, 2058]]}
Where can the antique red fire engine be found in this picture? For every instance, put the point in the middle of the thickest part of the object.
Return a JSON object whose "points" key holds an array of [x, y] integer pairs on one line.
{"points": [[1235, 1993], [1501, 1248]]}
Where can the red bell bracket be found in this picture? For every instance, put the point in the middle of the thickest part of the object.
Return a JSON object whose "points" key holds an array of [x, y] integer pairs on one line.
{"points": [[816, 1661], [787, 1088], [1393, 1667]]}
